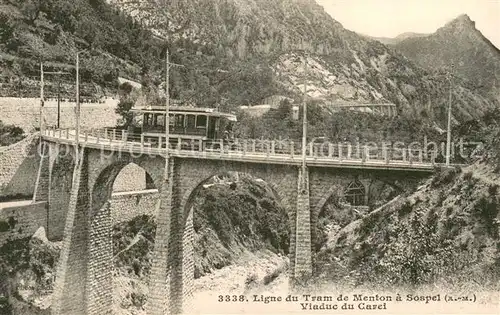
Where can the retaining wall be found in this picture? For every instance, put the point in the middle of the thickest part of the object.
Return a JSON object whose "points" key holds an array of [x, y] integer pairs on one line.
{"points": [[19, 168], [25, 113], [125, 206], [22, 221]]}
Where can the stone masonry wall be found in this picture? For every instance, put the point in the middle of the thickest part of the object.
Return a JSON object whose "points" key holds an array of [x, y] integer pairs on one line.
{"points": [[24, 113], [22, 221], [72, 267], [131, 178], [126, 206], [19, 168]]}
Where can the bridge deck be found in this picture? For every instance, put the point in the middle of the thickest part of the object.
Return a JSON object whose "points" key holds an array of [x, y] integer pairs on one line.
{"points": [[256, 151]]}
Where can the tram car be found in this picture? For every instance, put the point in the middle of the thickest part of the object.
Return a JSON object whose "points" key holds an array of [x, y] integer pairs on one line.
{"points": [[189, 126]]}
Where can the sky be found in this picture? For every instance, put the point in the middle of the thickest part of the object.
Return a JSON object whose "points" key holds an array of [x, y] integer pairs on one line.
{"points": [[389, 18]]}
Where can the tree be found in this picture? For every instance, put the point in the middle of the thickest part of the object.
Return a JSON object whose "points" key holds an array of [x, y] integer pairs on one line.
{"points": [[6, 27], [127, 101], [123, 109], [125, 89], [31, 10]]}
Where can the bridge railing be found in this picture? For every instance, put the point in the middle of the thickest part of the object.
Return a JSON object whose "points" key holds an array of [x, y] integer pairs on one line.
{"points": [[251, 147]]}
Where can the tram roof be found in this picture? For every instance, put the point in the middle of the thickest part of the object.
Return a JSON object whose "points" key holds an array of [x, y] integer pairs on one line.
{"points": [[185, 110]]}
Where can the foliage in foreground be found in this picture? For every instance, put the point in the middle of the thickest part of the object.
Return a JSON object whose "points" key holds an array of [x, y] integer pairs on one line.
{"points": [[10, 134], [445, 234]]}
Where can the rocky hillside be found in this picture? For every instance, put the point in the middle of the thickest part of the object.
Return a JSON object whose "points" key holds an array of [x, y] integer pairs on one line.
{"points": [[234, 52], [343, 66], [445, 234], [53, 31], [461, 45]]}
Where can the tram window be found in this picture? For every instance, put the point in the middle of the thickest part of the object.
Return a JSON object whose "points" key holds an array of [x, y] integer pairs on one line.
{"points": [[179, 120], [191, 120], [148, 119], [171, 120], [160, 120], [201, 121]]}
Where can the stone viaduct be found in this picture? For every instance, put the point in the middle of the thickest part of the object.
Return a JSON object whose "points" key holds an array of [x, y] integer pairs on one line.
{"points": [[78, 186]]}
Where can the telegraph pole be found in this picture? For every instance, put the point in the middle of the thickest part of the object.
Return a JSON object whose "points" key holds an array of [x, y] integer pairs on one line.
{"points": [[167, 108], [77, 114], [157, 293], [58, 95], [168, 64], [304, 126], [448, 131], [58, 102], [41, 98]]}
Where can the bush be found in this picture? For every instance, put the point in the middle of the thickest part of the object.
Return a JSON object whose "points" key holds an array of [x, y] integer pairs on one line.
{"points": [[443, 176], [6, 27], [410, 259], [10, 134], [493, 190], [405, 209]]}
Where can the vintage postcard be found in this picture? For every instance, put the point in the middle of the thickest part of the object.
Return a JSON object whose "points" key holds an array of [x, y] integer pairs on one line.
{"points": [[249, 157]]}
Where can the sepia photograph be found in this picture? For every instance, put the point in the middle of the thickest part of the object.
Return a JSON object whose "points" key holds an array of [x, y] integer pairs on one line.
{"points": [[249, 157]]}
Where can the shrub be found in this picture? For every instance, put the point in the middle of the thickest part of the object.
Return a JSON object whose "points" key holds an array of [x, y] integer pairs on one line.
{"points": [[468, 176], [10, 134], [486, 210], [251, 279], [493, 190], [405, 209], [443, 176]]}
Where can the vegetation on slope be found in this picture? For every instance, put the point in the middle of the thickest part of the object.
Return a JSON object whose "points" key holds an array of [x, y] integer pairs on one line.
{"points": [[446, 233], [231, 218], [53, 31], [27, 268], [230, 57], [10, 134]]}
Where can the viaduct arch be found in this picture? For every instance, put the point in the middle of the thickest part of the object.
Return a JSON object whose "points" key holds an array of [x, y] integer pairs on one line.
{"points": [[84, 280]]}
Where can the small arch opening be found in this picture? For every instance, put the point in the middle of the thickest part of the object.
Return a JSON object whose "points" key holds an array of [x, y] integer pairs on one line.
{"points": [[355, 193]]}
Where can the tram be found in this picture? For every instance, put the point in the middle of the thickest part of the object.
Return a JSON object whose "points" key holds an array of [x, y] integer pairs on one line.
{"points": [[187, 125]]}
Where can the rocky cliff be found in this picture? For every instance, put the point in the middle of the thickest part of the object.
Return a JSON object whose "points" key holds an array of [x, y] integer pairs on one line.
{"points": [[458, 45], [280, 35]]}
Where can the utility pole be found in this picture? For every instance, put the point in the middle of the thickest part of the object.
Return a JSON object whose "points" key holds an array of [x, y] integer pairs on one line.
{"points": [[304, 126], [157, 294], [77, 113], [448, 132], [58, 102], [168, 64], [167, 107], [58, 95], [41, 98]]}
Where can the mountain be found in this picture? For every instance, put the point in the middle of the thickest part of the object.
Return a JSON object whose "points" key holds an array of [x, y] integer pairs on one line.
{"points": [[234, 53], [461, 45], [397, 39], [275, 37]]}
